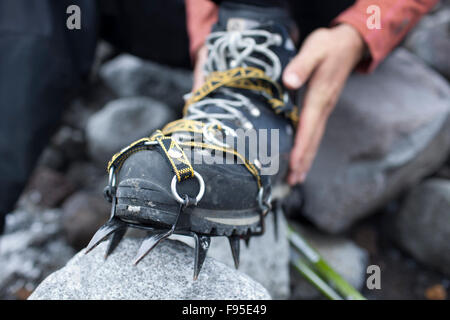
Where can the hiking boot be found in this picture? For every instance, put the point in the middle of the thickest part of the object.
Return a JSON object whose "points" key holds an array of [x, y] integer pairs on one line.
{"points": [[203, 175]]}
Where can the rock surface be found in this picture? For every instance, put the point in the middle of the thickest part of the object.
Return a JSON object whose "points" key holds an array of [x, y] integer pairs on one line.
{"points": [[389, 130], [430, 40], [130, 76], [30, 250], [344, 256], [423, 225], [166, 273], [88, 176], [123, 121], [266, 260], [83, 214], [47, 188]]}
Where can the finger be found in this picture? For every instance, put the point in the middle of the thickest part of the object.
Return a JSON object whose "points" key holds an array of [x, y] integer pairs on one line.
{"points": [[303, 64], [306, 144], [307, 155], [198, 75], [319, 99]]}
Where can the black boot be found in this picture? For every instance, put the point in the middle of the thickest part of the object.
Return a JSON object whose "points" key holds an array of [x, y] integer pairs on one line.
{"points": [[205, 174]]}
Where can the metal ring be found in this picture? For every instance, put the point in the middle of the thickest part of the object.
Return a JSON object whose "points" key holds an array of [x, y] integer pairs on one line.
{"points": [[200, 194], [265, 206], [112, 177]]}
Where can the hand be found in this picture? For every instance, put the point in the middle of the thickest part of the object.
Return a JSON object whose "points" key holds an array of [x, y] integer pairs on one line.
{"points": [[325, 60]]}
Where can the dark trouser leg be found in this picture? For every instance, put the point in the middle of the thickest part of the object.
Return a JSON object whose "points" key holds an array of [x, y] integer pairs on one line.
{"points": [[310, 15], [153, 30], [41, 63]]}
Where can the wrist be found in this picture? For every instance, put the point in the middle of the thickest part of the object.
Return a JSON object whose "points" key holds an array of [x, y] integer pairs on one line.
{"points": [[353, 39]]}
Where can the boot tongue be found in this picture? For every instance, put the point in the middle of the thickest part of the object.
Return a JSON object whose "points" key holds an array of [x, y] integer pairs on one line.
{"points": [[241, 24], [276, 20], [239, 17]]}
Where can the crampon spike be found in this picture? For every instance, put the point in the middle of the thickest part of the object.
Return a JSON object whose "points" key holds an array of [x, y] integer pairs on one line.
{"points": [[277, 212], [235, 249], [247, 242], [115, 240], [111, 226], [201, 248], [152, 239]]}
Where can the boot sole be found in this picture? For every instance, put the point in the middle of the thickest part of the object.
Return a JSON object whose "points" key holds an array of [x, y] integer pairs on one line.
{"points": [[133, 209]]}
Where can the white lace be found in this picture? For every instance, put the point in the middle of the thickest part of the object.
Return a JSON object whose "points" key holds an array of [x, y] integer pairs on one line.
{"points": [[232, 49], [228, 50]]}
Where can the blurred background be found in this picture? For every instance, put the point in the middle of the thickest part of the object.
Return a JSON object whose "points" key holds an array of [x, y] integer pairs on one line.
{"points": [[384, 202]]}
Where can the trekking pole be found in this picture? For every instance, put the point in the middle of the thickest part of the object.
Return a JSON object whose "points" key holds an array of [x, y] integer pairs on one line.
{"points": [[312, 277], [324, 270]]}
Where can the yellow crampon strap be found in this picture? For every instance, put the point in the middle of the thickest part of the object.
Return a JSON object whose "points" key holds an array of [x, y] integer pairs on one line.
{"points": [[193, 126], [250, 167], [294, 115], [244, 78], [183, 125], [175, 155], [119, 158], [172, 151]]}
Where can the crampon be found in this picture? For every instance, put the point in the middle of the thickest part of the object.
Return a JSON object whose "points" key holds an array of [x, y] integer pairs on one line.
{"points": [[191, 178]]}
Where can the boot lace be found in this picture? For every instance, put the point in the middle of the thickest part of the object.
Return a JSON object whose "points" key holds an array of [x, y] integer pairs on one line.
{"points": [[229, 50]]}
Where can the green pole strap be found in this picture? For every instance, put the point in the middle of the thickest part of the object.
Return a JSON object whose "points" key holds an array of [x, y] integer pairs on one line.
{"points": [[314, 258]]}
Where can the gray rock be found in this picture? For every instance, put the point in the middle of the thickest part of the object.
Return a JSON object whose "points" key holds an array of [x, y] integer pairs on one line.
{"points": [[422, 227], [430, 40], [88, 176], [123, 121], [83, 214], [389, 129], [46, 188], [83, 107], [129, 76], [166, 273], [344, 256], [30, 249], [52, 158], [266, 260], [71, 142]]}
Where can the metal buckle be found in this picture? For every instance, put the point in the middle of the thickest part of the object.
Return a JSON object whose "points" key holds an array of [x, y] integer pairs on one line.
{"points": [[264, 205], [109, 190], [200, 194], [112, 177]]}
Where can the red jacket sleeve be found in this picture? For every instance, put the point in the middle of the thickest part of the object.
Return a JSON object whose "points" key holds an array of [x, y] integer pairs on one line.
{"points": [[396, 18], [201, 16]]}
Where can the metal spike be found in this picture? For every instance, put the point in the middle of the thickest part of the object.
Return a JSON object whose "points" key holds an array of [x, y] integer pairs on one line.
{"points": [[104, 231], [116, 238], [153, 238], [247, 242], [275, 213], [235, 245], [201, 248]]}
